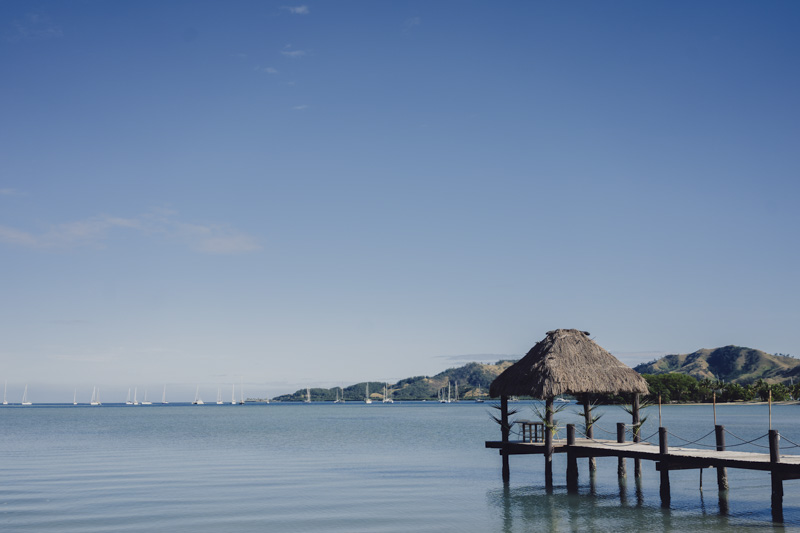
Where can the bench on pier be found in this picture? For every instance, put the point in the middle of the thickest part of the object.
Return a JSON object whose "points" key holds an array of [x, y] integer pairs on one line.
{"points": [[534, 431]]}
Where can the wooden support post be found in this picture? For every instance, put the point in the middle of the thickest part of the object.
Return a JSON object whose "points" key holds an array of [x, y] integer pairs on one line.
{"points": [[777, 480], [621, 470], [572, 461], [637, 463], [664, 450], [722, 472], [506, 430], [548, 444], [587, 417]]}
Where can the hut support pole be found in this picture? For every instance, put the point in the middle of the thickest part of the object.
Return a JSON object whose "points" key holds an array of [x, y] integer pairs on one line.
{"points": [[663, 450], [548, 444], [572, 461], [622, 471], [506, 430], [587, 417], [637, 463], [777, 480]]}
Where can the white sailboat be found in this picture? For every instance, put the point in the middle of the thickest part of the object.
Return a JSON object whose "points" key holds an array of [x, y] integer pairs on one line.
{"points": [[164, 396], [477, 396], [95, 396], [197, 399], [456, 399], [75, 397], [219, 396], [386, 398], [233, 394], [5, 389], [135, 402], [145, 402], [308, 396], [339, 399], [128, 401], [442, 397], [241, 393], [367, 399], [25, 400]]}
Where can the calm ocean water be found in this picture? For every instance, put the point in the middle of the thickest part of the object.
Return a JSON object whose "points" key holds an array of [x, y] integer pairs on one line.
{"points": [[418, 467]]}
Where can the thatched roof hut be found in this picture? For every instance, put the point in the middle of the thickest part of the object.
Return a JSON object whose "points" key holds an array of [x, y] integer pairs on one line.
{"points": [[567, 361]]}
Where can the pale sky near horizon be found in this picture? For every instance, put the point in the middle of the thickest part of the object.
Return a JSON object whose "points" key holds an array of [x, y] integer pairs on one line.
{"points": [[316, 194]]}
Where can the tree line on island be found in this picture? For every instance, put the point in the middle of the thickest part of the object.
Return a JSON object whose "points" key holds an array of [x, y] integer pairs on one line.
{"points": [[731, 373]]}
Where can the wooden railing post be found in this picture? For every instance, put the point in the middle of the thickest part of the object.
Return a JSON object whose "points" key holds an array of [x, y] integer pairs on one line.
{"points": [[663, 450], [621, 470], [572, 461], [777, 480]]}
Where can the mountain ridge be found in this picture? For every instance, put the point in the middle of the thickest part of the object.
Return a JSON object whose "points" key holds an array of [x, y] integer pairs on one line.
{"points": [[731, 364]]}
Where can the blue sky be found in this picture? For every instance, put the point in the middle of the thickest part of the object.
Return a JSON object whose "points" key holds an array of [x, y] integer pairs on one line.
{"points": [[324, 193]]}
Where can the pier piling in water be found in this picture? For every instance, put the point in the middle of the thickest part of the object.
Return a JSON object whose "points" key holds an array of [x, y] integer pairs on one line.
{"points": [[622, 471], [572, 461], [775, 474], [722, 472], [548, 444], [505, 429], [663, 451]]}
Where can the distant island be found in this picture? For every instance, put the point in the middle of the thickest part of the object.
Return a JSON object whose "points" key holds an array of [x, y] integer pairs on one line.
{"points": [[734, 373]]}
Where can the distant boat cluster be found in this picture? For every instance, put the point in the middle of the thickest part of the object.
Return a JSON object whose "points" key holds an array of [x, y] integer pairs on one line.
{"points": [[25, 400], [134, 400], [448, 394]]}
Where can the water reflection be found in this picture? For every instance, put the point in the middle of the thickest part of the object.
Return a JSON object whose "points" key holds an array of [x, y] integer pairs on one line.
{"points": [[530, 508]]}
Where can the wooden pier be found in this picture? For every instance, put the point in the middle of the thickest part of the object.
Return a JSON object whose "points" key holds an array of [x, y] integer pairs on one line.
{"points": [[781, 467]]}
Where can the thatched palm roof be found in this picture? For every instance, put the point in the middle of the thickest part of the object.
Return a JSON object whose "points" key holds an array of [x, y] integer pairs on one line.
{"points": [[567, 361]]}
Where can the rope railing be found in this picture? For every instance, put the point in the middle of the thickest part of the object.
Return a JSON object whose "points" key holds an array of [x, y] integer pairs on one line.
{"points": [[794, 444], [603, 429], [607, 443], [744, 442], [649, 439], [696, 442]]}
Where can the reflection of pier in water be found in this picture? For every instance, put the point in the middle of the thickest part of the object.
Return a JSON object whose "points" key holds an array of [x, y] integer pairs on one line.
{"points": [[525, 508], [780, 467]]}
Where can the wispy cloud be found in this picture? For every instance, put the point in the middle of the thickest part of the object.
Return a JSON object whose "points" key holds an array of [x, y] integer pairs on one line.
{"points": [[15, 236], [70, 322], [9, 192], [634, 358], [213, 239], [411, 23], [96, 231], [297, 10], [479, 357], [267, 70], [293, 54], [34, 26], [302, 107]]}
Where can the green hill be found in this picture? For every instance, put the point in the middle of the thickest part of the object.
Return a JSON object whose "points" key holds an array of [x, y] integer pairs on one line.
{"points": [[731, 364], [470, 378]]}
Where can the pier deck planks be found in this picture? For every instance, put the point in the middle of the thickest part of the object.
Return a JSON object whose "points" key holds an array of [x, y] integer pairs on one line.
{"points": [[677, 457]]}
